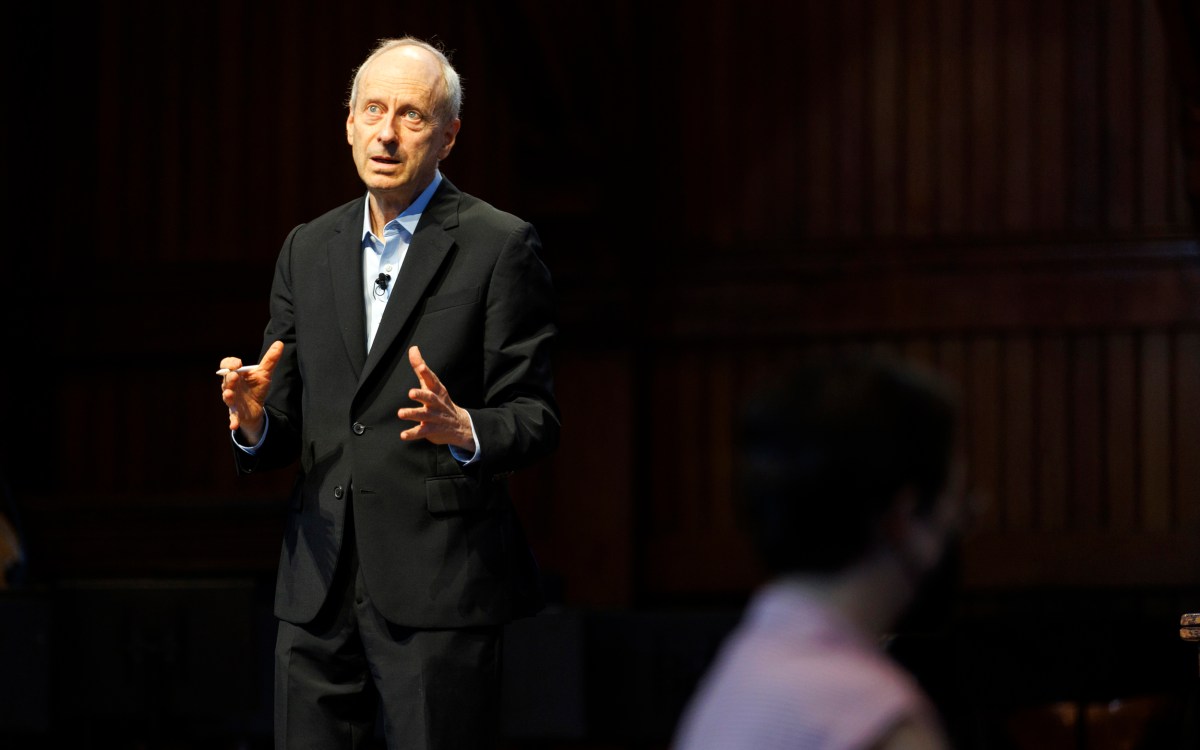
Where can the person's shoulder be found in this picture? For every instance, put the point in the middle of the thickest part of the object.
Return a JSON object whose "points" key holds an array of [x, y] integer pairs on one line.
{"points": [[475, 211], [336, 218]]}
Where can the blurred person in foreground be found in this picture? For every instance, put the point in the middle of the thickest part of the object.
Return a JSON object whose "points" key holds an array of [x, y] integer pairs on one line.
{"points": [[853, 485], [406, 371]]}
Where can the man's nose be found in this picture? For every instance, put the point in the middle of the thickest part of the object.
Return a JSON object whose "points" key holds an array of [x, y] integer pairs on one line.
{"points": [[386, 132]]}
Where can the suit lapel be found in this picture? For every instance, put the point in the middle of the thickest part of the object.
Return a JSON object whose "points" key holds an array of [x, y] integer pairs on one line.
{"points": [[430, 246], [345, 271]]}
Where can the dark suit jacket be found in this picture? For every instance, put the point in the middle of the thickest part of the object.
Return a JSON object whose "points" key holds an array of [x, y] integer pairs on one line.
{"points": [[439, 543]]}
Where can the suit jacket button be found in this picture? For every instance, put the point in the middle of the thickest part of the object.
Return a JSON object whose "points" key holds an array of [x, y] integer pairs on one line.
{"points": [[358, 428], [338, 492]]}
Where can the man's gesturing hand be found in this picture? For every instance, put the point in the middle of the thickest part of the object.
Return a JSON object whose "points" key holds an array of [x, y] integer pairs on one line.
{"points": [[438, 419], [245, 392]]}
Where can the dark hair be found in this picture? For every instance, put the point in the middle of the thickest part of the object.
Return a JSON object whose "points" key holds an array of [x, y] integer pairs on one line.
{"points": [[826, 451]]}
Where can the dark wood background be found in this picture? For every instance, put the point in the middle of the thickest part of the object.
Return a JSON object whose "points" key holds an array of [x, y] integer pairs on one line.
{"points": [[1003, 189]]}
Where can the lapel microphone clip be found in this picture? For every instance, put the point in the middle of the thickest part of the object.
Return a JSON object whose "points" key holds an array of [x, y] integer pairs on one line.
{"points": [[381, 284]]}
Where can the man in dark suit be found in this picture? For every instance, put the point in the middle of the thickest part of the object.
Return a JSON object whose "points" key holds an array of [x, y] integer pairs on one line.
{"points": [[407, 367]]}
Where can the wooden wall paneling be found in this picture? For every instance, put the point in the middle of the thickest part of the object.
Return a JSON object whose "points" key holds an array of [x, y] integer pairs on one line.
{"points": [[669, 433], [522, 57], [690, 542], [1049, 116], [788, 188], [75, 430], [985, 124], [124, 180], [166, 166], [199, 456], [917, 117], [821, 86], [273, 82], [920, 350], [232, 157], [880, 345], [1185, 169], [1122, 111], [1016, 57], [718, 409], [1084, 108], [107, 136], [884, 119], [794, 168], [1019, 434], [694, 478], [1157, 146], [1154, 433], [1186, 434], [1121, 399], [950, 359], [290, 81], [581, 525], [1181, 26], [985, 406], [850, 31], [106, 461], [1085, 402], [758, 204], [723, 65], [949, 131], [1051, 430]]}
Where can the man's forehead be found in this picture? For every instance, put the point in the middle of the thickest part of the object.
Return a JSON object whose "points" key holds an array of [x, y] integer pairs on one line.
{"points": [[404, 66], [389, 84]]}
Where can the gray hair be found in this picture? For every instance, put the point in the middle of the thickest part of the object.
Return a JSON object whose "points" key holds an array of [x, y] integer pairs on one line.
{"points": [[452, 85]]}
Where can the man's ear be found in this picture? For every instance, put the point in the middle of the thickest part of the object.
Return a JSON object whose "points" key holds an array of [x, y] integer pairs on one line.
{"points": [[897, 522], [450, 134], [911, 533]]}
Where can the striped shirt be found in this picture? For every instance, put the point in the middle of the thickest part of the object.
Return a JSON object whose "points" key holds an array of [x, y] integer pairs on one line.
{"points": [[796, 674]]}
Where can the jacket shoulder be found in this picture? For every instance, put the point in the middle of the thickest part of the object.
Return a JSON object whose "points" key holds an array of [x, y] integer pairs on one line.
{"points": [[346, 216], [476, 212]]}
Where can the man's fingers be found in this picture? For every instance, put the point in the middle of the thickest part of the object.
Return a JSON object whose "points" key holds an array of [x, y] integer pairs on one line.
{"points": [[417, 363], [427, 397], [423, 415], [415, 433], [271, 356], [429, 379]]}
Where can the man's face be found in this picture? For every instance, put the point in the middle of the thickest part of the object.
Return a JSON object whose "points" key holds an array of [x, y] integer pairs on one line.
{"points": [[393, 128]]}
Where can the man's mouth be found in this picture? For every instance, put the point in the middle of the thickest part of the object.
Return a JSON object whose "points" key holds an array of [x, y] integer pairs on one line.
{"points": [[384, 160]]}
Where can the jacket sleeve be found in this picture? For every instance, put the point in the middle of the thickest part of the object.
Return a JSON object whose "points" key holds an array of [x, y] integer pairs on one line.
{"points": [[519, 422]]}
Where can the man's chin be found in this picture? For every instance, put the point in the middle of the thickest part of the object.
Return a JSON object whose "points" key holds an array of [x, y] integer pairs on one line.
{"points": [[387, 185]]}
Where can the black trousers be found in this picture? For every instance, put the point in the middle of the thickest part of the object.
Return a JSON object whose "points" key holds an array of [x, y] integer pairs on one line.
{"points": [[335, 676]]}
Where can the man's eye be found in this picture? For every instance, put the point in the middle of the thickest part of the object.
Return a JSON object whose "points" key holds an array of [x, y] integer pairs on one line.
{"points": [[412, 114]]}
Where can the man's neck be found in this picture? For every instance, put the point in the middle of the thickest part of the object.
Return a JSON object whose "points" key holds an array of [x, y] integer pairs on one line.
{"points": [[388, 204], [385, 207], [870, 593]]}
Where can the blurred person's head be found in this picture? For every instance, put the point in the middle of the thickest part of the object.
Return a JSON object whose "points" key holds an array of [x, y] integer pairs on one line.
{"points": [[851, 463]]}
